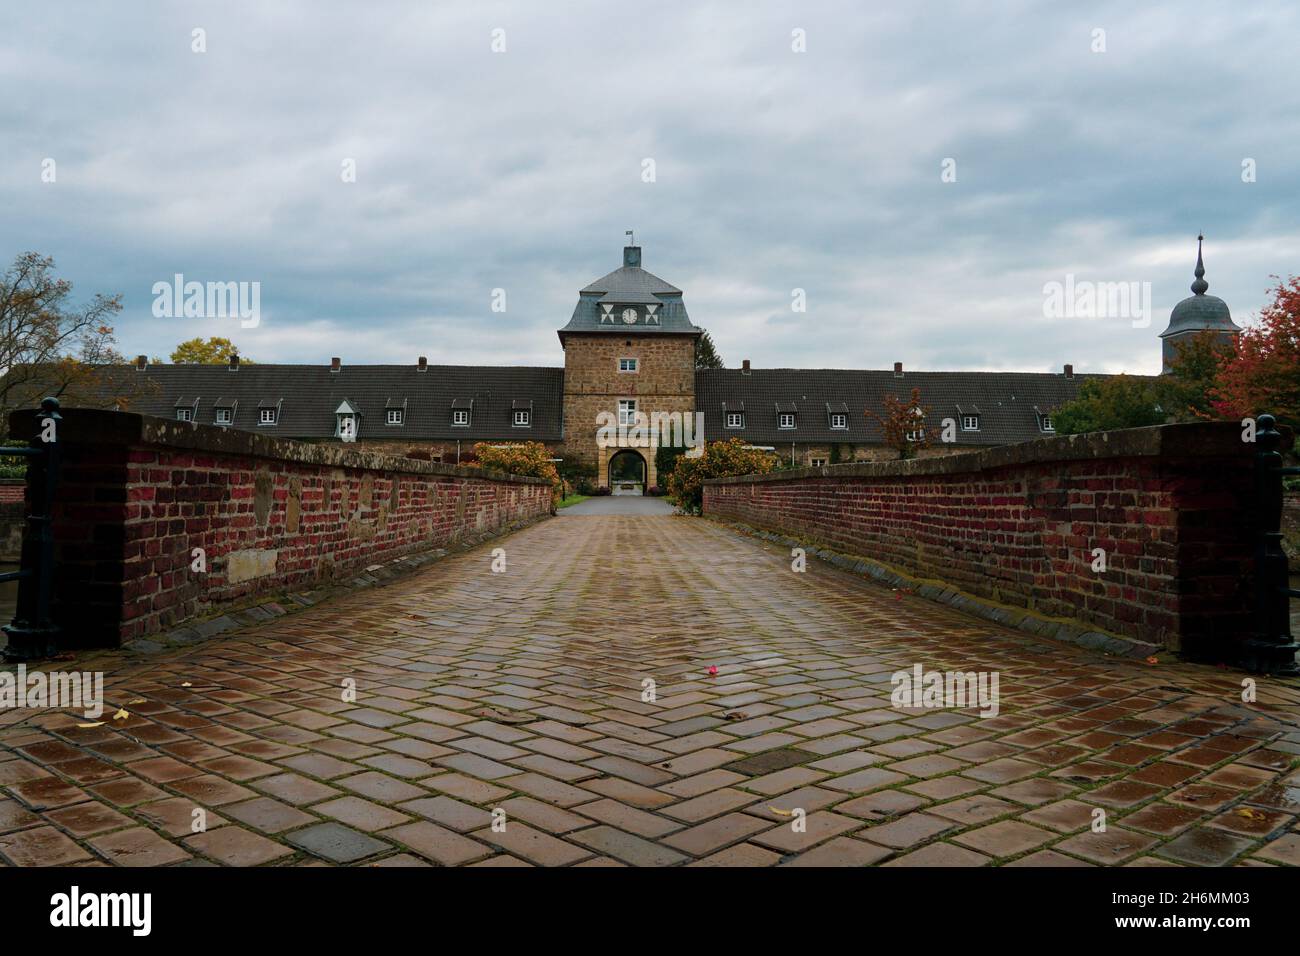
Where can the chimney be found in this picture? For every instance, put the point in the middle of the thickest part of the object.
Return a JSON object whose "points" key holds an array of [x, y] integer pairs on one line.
{"points": [[1069, 371], [141, 361], [234, 362], [744, 367], [631, 256], [898, 370], [422, 364], [335, 364]]}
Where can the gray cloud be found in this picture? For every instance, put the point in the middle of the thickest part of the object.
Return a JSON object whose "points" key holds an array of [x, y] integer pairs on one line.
{"points": [[775, 170]]}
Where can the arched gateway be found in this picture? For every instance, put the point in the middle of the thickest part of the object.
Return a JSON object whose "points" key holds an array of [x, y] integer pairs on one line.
{"points": [[627, 472]]}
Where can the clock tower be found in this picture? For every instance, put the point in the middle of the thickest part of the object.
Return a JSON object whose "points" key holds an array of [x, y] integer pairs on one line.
{"points": [[629, 353]]}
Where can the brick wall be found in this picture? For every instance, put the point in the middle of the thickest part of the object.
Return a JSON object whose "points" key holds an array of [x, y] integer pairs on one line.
{"points": [[1017, 525], [137, 495]]}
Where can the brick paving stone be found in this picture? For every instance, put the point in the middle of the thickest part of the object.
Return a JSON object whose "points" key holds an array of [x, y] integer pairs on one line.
{"points": [[721, 831], [436, 843], [1064, 816], [907, 831], [211, 790], [1285, 849], [1205, 846], [267, 815], [860, 781], [543, 815], [743, 854], [450, 813], [14, 815], [294, 789], [818, 826], [466, 788], [1114, 846], [175, 816], [702, 783], [359, 814], [1048, 858], [709, 805], [1163, 818], [40, 846], [381, 787], [940, 854], [842, 851], [881, 805], [533, 845], [336, 843], [235, 846], [627, 847], [138, 846], [47, 792], [1006, 838]]}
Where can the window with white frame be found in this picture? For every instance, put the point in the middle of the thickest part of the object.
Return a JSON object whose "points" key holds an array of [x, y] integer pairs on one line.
{"points": [[785, 420], [522, 417], [839, 420], [394, 416], [1047, 425], [460, 416], [627, 411], [628, 365], [818, 462], [970, 423], [225, 416], [183, 414], [266, 416], [735, 419]]}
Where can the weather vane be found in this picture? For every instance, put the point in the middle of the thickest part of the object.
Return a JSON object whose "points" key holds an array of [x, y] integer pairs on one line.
{"points": [[630, 240]]}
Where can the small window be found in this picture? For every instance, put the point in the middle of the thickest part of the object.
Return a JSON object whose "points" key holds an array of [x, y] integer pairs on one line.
{"points": [[627, 365], [839, 420], [183, 414], [785, 420], [522, 416], [970, 423], [460, 416], [818, 462], [1047, 424], [348, 427], [395, 416], [266, 416], [225, 416], [916, 435], [735, 419], [627, 411]]}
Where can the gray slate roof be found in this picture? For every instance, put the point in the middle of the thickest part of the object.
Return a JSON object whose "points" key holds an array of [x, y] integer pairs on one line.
{"points": [[308, 395], [601, 305], [1008, 403]]}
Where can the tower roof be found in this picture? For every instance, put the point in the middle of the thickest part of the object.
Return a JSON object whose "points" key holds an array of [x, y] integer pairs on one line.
{"points": [[630, 300], [1200, 312]]}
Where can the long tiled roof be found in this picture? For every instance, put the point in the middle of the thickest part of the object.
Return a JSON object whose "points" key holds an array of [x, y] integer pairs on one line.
{"points": [[1009, 404], [307, 397]]}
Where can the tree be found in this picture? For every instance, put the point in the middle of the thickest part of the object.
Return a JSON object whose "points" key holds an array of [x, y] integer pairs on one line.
{"points": [[1263, 373], [706, 356], [720, 459], [529, 458], [902, 424], [1105, 404], [50, 347], [215, 351], [1186, 393]]}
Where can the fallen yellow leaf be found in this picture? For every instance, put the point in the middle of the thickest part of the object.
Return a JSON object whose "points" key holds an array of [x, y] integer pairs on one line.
{"points": [[121, 715], [187, 684], [781, 813], [1249, 814], [98, 723], [138, 700]]}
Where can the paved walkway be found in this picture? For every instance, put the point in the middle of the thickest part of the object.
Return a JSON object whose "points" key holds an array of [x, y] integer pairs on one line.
{"points": [[521, 694], [620, 505]]}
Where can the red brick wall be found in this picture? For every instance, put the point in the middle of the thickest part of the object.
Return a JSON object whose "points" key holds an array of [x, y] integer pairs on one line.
{"points": [[1018, 525], [137, 495]]}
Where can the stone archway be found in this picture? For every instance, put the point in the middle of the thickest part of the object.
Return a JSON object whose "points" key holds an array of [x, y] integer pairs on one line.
{"points": [[627, 472]]}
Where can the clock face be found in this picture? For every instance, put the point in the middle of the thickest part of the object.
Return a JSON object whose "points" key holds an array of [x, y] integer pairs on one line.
{"points": [[629, 316]]}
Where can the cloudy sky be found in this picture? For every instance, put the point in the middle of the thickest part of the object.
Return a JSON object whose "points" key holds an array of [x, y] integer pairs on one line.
{"points": [[773, 169]]}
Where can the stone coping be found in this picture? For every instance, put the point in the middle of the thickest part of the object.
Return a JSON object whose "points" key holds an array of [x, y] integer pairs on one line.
{"points": [[93, 426], [1190, 440]]}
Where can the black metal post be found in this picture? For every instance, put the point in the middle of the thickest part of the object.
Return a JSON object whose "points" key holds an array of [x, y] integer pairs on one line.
{"points": [[32, 632], [1271, 649]]}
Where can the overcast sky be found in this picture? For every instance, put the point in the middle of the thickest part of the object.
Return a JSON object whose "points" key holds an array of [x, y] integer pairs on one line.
{"points": [[774, 169]]}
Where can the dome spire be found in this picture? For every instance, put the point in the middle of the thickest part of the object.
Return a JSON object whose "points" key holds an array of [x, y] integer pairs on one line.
{"points": [[1200, 286]]}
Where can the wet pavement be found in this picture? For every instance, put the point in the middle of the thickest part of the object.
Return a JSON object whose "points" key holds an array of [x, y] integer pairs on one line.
{"points": [[572, 697], [621, 505]]}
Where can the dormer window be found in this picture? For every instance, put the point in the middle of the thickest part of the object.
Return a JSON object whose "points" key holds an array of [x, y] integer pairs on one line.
{"points": [[460, 417], [266, 416], [839, 420], [225, 416], [394, 416], [916, 434], [522, 418], [627, 365], [1045, 423], [970, 423], [735, 419], [184, 415], [785, 420]]}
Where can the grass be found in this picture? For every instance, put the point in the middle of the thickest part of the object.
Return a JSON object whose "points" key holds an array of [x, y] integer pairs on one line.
{"points": [[572, 500]]}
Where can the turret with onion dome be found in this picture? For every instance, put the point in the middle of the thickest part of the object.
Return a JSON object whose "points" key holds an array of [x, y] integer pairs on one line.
{"points": [[1196, 314]]}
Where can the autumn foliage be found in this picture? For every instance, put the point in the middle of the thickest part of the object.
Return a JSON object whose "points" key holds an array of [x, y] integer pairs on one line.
{"points": [[721, 459], [530, 458], [1263, 374], [899, 420]]}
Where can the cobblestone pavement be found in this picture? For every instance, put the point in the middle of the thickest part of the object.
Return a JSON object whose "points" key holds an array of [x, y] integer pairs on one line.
{"points": [[521, 694]]}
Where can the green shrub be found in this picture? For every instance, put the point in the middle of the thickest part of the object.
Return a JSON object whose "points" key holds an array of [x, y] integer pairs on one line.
{"points": [[721, 459]]}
